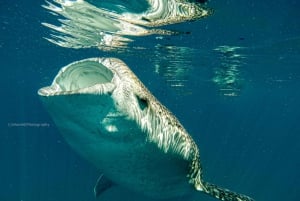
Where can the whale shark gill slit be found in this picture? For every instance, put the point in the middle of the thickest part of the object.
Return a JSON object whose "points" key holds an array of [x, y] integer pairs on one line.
{"points": [[143, 103]]}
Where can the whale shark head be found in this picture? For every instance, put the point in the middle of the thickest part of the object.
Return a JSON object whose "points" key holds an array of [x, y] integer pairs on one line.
{"points": [[111, 79], [105, 112]]}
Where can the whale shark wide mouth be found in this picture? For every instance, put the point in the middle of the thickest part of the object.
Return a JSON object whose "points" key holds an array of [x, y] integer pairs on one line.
{"points": [[89, 76]]}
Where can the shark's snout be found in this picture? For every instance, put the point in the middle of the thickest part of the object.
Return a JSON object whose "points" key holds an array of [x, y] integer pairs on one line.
{"points": [[89, 76]]}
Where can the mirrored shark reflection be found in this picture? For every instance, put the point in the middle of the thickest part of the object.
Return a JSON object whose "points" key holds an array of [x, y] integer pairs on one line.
{"points": [[227, 75], [86, 25], [174, 65]]}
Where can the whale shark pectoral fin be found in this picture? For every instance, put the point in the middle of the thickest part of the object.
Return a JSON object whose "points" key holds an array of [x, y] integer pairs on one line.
{"points": [[102, 185]]}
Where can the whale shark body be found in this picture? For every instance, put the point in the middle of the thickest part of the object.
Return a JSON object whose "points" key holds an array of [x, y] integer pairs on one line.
{"points": [[110, 118]]}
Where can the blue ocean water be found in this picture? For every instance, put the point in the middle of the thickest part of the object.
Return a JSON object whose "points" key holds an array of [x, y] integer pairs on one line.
{"points": [[232, 80]]}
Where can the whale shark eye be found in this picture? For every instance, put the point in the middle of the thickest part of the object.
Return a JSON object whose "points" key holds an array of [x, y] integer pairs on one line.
{"points": [[143, 103]]}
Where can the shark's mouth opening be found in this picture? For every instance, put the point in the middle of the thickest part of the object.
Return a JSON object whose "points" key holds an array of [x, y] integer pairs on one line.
{"points": [[88, 76]]}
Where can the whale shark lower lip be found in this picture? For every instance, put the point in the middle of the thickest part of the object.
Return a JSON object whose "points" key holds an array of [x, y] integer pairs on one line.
{"points": [[109, 117]]}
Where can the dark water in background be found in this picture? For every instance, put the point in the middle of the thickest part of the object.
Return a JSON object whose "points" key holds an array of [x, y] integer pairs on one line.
{"points": [[249, 143]]}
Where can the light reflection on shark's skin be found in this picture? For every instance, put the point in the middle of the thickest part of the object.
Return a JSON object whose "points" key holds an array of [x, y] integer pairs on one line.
{"points": [[86, 25]]}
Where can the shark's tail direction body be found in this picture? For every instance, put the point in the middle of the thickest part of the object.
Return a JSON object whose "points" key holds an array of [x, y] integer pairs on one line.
{"points": [[224, 194]]}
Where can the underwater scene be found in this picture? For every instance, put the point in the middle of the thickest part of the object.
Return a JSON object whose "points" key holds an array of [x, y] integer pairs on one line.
{"points": [[150, 100]]}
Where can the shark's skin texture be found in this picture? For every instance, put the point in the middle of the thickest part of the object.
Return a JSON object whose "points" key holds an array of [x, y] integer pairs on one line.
{"points": [[110, 118]]}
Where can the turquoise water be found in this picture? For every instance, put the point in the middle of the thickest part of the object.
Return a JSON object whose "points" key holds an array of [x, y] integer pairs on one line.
{"points": [[232, 79]]}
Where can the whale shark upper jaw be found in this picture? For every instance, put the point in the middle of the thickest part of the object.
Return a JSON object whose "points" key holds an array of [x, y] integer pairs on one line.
{"points": [[75, 78]]}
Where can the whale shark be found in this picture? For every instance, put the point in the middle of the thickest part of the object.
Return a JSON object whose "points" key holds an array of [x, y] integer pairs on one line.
{"points": [[110, 118]]}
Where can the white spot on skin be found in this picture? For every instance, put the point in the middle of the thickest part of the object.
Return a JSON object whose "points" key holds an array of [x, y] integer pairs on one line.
{"points": [[198, 187], [111, 128]]}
